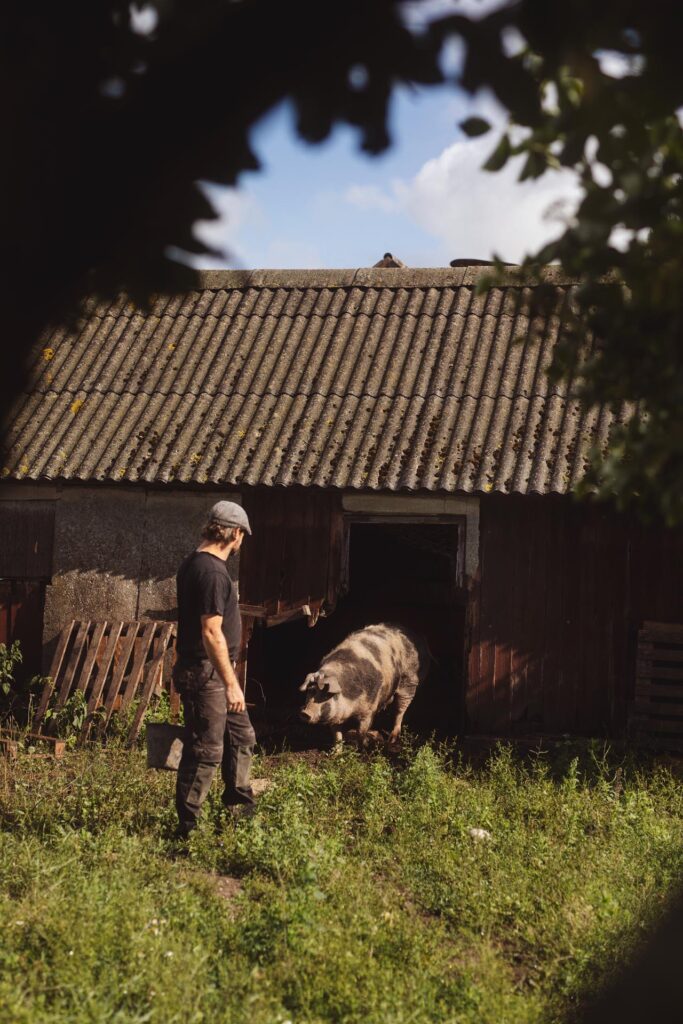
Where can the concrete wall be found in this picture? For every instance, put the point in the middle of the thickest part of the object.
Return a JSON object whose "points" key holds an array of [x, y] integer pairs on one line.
{"points": [[116, 550]]}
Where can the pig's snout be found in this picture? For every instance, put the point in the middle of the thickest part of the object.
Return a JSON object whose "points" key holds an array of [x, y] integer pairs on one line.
{"points": [[304, 715]]}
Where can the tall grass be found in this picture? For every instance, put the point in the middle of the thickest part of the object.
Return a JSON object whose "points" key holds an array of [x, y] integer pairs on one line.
{"points": [[364, 894]]}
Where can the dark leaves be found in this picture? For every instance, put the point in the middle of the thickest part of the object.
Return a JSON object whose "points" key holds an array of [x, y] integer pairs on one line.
{"points": [[500, 155], [474, 126]]}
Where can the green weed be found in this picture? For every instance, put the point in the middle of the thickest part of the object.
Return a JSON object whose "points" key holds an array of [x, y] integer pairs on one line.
{"points": [[365, 892]]}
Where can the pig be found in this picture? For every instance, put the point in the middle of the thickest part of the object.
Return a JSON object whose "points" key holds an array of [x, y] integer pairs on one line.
{"points": [[371, 668]]}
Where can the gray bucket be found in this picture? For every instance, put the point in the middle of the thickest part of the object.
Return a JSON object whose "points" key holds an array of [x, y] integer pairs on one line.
{"points": [[164, 745]]}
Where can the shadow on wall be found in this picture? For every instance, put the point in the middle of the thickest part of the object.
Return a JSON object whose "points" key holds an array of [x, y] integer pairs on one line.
{"points": [[127, 533], [116, 554]]}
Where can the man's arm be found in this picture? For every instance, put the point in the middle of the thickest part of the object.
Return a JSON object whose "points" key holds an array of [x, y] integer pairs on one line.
{"points": [[217, 652]]}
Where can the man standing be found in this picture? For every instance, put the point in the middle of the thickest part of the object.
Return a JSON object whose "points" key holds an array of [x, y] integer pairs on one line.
{"points": [[217, 726]]}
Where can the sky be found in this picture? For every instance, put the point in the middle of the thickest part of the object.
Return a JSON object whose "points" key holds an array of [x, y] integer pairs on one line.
{"points": [[426, 200]]}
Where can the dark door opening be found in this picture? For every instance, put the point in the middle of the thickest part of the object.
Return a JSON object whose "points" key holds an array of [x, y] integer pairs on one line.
{"points": [[399, 572]]}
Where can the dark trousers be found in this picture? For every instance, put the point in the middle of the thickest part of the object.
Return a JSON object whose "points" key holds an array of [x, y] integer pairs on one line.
{"points": [[213, 736]]}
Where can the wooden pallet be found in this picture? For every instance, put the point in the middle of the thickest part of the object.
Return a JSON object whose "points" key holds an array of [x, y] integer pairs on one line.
{"points": [[656, 714], [112, 664], [12, 740]]}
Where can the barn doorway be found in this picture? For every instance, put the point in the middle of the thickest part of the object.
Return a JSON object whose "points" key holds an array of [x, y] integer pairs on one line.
{"points": [[397, 570]]}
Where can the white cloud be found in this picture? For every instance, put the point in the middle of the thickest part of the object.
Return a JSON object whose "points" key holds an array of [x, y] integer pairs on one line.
{"points": [[370, 197], [237, 211], [475, 213]]}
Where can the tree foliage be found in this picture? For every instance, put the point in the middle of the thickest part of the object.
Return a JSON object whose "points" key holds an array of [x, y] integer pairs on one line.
{"points": [[624, 246], [109, 130]]}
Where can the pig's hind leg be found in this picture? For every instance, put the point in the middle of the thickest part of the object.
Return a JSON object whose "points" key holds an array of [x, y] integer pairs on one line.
{"points": [[402, 701]]}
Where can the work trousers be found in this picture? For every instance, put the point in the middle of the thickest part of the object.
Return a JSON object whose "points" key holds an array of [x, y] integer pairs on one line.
{"points": [[213, 736]]}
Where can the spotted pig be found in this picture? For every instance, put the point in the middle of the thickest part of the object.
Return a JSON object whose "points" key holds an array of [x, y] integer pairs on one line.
{"points": [[372, 668]]}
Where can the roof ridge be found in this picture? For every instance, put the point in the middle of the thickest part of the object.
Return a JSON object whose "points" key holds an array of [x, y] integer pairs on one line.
{"points": [[372, 277]]}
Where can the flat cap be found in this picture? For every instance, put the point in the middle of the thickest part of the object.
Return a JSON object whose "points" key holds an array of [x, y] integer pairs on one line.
{"points": [[229, 513]]}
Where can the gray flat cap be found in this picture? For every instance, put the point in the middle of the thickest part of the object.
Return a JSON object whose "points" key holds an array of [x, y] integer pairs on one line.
{"points": [[229, 513]]}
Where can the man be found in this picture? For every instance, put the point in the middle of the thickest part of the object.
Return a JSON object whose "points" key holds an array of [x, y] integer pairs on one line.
{"points": [[217, 726]]}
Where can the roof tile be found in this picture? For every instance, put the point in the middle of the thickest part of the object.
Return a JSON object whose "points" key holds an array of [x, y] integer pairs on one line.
{"points": [[380, 379]]}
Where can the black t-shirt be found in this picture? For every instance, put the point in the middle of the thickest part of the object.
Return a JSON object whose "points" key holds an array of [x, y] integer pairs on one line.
{"points": [[205, 588]]}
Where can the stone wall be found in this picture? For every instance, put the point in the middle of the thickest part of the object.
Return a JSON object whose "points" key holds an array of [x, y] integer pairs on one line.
{"points": [[116, 550]]}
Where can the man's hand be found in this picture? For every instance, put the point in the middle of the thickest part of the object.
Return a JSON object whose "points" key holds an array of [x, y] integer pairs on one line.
{"points": [[235, 698], [217, 652]]}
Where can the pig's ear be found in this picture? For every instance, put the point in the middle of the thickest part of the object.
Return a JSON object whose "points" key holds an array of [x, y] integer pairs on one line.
{"points": [[308, 681], [332, 686]]}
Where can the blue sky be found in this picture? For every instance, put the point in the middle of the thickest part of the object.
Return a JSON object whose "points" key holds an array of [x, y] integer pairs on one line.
{"points": [[426, 199]]}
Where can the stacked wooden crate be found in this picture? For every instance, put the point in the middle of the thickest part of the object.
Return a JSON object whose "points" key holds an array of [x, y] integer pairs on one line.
{"points": [[657, 710]]}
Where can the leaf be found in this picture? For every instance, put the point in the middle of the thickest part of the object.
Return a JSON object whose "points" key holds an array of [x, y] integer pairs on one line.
{"points": [[474, 126], [500, 155], [534, 166]]}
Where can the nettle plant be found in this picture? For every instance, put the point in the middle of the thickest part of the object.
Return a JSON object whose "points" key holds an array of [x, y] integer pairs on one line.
{"points": [[10, 657]]}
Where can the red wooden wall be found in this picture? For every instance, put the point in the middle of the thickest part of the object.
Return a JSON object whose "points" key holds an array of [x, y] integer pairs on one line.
{"points": [[561, 590], [294, 556], [21, 618]]}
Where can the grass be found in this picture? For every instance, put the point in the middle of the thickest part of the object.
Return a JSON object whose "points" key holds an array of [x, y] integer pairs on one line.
{"points": [[363, 896]]}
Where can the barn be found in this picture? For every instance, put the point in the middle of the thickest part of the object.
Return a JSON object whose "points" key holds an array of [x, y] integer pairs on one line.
{"points": [[402, 456]]}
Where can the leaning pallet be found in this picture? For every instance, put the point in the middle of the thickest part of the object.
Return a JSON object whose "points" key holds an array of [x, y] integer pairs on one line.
{"points": [[113, 664], [656, 716]]}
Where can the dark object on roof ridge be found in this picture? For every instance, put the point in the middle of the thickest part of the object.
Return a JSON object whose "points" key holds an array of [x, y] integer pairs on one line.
{"points": [[390, 261], [477, 263]]}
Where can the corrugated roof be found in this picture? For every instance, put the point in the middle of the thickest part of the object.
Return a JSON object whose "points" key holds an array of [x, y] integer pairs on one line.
{"points": [[381, 379]]}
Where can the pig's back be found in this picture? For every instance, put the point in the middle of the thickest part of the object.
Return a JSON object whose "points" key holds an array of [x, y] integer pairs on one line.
{"points": [[370, 663]]}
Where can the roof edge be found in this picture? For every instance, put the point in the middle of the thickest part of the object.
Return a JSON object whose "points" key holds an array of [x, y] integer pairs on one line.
{"points": [[372, 277]]}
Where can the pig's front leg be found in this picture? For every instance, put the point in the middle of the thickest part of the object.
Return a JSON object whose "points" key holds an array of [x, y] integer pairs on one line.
{"points": [[338, 739]]}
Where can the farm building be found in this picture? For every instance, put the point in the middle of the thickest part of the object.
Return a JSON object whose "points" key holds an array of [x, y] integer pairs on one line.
{"points": [[402, 456]]}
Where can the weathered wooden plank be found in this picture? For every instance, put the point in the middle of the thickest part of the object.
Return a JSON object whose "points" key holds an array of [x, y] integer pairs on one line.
{"points": [[659, 672], [570, 622], [104, 664], [72, 665], [8, 748], [659, 632], [56, 745], [654, 654], [536, 538], [55, 669], [334, 566], [147, 691], [657, 709], [143, 646], [119, 672], [154, 674], [652, 724], [91, 656], [557, 702], [26, 539], [665, 690]]}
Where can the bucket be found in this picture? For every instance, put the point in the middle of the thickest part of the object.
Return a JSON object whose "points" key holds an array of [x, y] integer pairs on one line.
{"points": [[164, 745]]}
